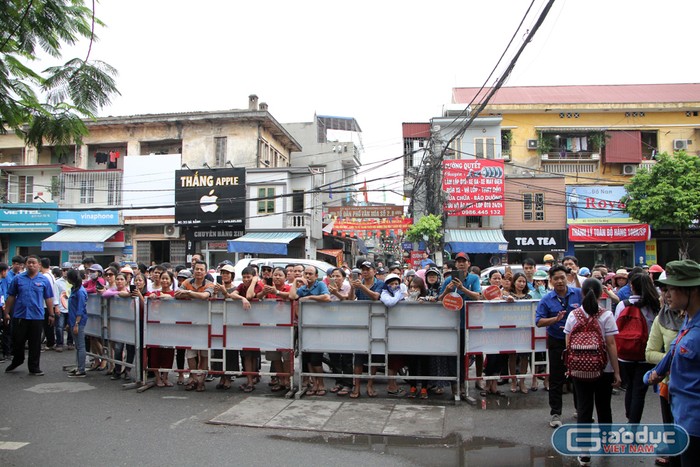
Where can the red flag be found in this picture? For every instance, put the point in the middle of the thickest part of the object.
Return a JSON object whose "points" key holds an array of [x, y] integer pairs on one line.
{"points": [[364, 188]]}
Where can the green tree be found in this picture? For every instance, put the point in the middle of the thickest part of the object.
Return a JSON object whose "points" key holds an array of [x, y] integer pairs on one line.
{"points": [[47, 106], [429, 227], [668, 195]]}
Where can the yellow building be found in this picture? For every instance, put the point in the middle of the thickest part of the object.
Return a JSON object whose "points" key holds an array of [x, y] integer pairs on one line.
{"points": [[597, 137]]}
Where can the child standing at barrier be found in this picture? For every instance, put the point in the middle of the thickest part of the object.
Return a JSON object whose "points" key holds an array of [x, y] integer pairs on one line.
{"points": [[77, 319]]}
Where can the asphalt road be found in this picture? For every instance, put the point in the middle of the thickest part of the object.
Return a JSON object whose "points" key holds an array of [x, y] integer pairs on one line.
{"points": [[93, 421]]}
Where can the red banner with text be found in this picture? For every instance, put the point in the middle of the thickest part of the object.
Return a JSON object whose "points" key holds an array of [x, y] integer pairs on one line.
{"points": [[474, 187], [609, 233]]}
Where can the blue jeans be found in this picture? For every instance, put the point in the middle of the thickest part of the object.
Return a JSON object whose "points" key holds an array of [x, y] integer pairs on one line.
{"points": [[80, 348], [60, 324]]}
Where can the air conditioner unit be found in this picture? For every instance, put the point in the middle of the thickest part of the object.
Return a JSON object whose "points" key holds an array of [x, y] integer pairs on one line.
{"points": [[506, 157], [532, 144], [170, 231], [629, 169], [681, 144]]}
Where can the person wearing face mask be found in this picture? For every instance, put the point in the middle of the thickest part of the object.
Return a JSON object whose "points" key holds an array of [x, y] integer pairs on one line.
{"points": [[539, 283], [95, 283]]}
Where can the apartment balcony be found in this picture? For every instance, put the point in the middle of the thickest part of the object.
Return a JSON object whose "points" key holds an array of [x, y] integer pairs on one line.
{"points": [[97, 188], [570, 162], [297, 220]]}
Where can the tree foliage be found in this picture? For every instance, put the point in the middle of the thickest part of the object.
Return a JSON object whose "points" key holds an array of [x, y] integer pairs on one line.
{"points": [[47, 106], [430, 226], [668, 195]]}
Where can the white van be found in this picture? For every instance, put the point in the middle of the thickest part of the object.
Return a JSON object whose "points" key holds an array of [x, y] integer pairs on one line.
{"points": [[322, 266]]}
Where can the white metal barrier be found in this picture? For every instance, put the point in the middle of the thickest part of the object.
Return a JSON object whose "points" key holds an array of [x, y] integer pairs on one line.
{"points": [[220, 325], [114, 320], [370, 328], [500, 327]]}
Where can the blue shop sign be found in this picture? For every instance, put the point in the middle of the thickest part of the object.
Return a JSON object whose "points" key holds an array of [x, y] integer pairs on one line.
{"points": [[28, 217], [82, 218]]}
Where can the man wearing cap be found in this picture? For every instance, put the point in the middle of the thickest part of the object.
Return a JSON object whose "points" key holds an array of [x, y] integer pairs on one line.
{"points": [[548, 260], [470, 289], [29, 295], [367, 287], [682, 361]]}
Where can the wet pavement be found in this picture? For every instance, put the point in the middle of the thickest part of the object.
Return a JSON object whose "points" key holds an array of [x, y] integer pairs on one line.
{"points": [[100, 423]]}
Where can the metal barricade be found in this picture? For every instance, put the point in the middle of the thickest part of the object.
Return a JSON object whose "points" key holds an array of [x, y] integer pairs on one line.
{"points": [[218, 325], [114, 320], [370, 328], [500, 327]]}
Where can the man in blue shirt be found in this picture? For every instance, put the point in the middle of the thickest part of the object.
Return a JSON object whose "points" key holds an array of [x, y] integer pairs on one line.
{"points": [[28, 294], [552, 312], [309, 288], [17, 267], [4, 283], [468, 289], [369, 288]]}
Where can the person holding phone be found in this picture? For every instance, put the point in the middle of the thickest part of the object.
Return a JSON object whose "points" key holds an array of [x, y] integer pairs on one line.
{"points": [[468, 286]]}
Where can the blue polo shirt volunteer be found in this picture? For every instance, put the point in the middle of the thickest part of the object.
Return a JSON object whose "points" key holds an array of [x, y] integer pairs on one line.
{"points": [[77, 307], [30, 295], [551, 304]]}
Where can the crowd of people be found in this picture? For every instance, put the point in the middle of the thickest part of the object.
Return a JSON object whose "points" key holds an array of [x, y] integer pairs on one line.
{"points": [[47, 305]]}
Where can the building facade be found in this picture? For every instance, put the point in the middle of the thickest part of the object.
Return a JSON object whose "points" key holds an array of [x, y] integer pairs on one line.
{"points": [[597, 137]]}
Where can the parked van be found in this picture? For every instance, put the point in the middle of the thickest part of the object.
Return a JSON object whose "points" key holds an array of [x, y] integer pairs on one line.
{"points": [[322, 266]]}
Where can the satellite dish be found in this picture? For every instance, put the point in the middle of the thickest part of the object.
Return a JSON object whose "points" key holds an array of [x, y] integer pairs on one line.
{"points": [[495, 260], [437, 128]]}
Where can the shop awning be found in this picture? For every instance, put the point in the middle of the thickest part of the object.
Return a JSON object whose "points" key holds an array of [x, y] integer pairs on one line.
{"points": [[475, 241], [80, 239], [269, 243], [337, 255]]}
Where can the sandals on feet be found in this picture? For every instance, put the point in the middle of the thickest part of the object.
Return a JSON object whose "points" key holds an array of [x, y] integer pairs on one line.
{"points": [[371, 393], [399, 392], [355, 394], [343, 391]]}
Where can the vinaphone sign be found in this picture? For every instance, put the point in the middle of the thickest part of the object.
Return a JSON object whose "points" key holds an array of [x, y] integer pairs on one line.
{"points": [[210, 196]]}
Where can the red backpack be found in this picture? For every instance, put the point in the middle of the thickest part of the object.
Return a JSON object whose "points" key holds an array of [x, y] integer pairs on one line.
{"points": [[632, 339], [586, 355]]}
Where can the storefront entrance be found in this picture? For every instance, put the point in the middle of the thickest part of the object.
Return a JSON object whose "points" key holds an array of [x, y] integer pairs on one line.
{"points": [[613, 255]]}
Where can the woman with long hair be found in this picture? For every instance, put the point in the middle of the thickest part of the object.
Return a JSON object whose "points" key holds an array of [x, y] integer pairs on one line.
{"points": [[77, 319], [519, 290], [645, 296], [161, 359], [599, 391]]}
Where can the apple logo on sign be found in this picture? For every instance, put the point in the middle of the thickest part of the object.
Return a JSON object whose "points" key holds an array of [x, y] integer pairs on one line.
{"points": [[208, 202]]}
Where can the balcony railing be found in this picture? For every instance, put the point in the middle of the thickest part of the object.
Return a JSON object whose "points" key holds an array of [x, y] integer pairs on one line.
{"points": [[565, 156], [92, 187], [297, 220]]}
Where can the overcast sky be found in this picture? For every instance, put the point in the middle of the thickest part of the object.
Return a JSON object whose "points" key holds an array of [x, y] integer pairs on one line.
{"points": [[382, 62]]}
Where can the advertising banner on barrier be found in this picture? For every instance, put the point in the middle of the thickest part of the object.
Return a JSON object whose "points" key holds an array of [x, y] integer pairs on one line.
{"points": [[499, 326]]}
